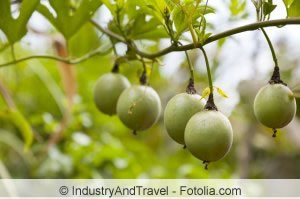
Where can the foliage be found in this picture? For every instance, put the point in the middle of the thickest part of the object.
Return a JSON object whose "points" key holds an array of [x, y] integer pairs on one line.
{"points": [[15, 29], [55, 119]]}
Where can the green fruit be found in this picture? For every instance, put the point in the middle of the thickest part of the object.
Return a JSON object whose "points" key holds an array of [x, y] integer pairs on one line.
{"points": [[274, 105], [178, 112], [208, 135], [107, 91], [139, 107]]}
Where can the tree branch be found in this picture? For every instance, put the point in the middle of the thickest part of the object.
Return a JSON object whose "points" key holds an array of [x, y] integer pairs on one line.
{"points": [[172, 48], [108, 32]]}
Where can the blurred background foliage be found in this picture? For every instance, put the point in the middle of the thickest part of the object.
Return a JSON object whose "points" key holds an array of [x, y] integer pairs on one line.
{"points": [[72, 139]]}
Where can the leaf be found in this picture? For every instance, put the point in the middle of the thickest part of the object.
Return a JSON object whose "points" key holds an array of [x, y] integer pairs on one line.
{"points": [[221, 92], [203, 36], [15, 29], [67, 22], [287, 3], [268, 8], [88, 40], [181, 21], [21, 123], [221, 42], [294, 9], [236, 7], [205, 92], [143, 29], [112, 8]]}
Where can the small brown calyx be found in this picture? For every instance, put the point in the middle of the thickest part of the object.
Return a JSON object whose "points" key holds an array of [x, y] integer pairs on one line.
{"points": [[274, 132], [134, 132], [191, 87], [143, 78], [210, 104], [275, 79], [115, 69], [205, 164]]}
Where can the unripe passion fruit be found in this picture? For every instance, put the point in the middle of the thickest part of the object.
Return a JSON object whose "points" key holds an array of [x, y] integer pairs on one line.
{"points": [[208, 135], [274, 105], [178, 112], [139, 107], [107, 91]]}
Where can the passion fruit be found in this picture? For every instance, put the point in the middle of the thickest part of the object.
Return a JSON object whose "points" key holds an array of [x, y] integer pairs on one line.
{"points": [[208, 135], [275, 106], [139, 107], [178, 112], [107, 91]]}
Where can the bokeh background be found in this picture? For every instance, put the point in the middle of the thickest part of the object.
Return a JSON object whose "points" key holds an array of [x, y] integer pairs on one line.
{"points": [[57, 99]]}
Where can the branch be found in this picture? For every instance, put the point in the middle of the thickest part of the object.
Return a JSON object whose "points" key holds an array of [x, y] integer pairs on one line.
{"points": [[67, 61], [108, 32], [172, 48]]}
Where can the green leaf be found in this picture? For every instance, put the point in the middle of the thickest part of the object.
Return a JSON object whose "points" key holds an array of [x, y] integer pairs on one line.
{"points": [[68, 22], [221, 92], [287, 3], [237, 6], [221, 42], [112, 8], [179, 21], [21, 123], [294, 9], [205, 92], [15, 29], [181, 18], [88, 40], [268, 8], [143, 29]]}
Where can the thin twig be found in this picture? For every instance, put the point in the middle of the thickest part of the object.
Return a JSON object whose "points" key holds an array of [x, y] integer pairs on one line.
{"points": [[67, 61]]}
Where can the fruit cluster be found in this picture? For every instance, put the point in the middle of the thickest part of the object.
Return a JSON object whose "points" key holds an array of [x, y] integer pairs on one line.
{"points": [[200, 127], [138, 107]]}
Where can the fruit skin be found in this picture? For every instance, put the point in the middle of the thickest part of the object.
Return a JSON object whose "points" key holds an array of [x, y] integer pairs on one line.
{"points": [[273, 105], [108, 90], [208, 135], [139, 107], [178, 112]]}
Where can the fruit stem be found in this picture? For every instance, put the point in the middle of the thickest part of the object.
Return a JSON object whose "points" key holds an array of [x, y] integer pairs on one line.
{"points": [[190, 88], [184, 146], [271, 46], [211, 87], [275, 79], [210, 105], [115, 69], [274, 132]]}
